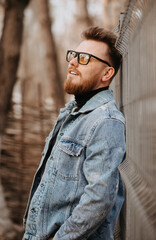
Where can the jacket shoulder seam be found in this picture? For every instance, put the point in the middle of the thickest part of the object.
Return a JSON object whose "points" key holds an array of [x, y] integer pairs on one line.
{"points": [[97, 123]]}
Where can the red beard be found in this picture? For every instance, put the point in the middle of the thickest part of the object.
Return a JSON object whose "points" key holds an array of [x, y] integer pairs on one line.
{"points": [[80, 87]]}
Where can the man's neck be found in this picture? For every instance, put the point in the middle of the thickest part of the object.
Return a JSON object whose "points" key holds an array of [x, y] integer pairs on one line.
{"points": [[81, 99]]}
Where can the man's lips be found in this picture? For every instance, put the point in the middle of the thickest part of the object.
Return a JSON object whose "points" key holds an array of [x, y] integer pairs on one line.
{"points": [[73, 72]]}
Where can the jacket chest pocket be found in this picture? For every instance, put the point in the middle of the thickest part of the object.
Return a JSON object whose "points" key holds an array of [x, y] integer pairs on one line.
{"points": [[69, 159]]}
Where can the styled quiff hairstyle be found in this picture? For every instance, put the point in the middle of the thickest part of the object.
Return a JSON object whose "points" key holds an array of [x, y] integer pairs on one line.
{"points": [[108, 37]]}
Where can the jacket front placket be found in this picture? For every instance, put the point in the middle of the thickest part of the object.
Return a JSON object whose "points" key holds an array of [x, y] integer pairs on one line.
{"points": [[37, 178]]}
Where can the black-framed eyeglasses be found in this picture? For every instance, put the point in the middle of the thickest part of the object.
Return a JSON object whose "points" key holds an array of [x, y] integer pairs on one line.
{"points": [[83, 58]]}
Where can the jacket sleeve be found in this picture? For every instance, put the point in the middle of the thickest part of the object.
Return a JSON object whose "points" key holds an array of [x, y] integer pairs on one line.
{"points": [[104, 153]]}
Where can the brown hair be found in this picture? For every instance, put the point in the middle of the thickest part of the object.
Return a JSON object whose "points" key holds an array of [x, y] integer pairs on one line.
{"points": [[108, 37]]}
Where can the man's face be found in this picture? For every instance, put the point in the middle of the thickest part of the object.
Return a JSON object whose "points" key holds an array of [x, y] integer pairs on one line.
{"points": [[84, 78]]}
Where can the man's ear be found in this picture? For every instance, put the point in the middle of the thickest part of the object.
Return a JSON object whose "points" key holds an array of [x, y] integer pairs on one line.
{"points": [[108, 74]]}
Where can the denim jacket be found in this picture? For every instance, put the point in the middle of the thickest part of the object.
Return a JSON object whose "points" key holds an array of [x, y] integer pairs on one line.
{"points": [[77, 192]]}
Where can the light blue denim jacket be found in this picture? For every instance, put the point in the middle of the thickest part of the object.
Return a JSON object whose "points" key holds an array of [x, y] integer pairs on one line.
{"points": [[78, 193]]}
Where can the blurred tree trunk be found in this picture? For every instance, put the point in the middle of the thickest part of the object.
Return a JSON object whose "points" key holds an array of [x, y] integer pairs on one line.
{"points": [[111, 10], [2, 11], [50, 60], [9, 57], [106, 18], [9, 53], [81, 12]]}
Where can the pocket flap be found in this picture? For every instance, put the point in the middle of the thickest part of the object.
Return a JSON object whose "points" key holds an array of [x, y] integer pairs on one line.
{"points": [[70, 147]]}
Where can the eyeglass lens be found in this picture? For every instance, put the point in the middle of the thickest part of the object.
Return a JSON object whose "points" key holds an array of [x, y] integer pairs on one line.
{"points": [[83, 58], [71, 55]]}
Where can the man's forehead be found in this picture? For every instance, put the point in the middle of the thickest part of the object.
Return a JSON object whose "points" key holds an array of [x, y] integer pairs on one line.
{"points": [[93, 47]]}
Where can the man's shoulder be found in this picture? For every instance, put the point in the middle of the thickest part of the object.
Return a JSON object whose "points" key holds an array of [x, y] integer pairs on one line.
{"points": [[110, 111]]}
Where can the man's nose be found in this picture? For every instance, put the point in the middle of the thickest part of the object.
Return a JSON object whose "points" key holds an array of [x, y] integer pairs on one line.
{"points": [[74, 62]]}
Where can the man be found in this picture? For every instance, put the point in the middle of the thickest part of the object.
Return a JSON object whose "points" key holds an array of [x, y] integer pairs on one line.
{"points": [[77, 191]]}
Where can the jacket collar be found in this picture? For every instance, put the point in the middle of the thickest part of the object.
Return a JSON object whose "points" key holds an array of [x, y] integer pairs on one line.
{"points": [[96, 101]]}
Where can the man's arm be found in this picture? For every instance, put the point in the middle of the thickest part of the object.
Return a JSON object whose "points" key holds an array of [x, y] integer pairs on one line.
{"points": [[104, 153]]}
